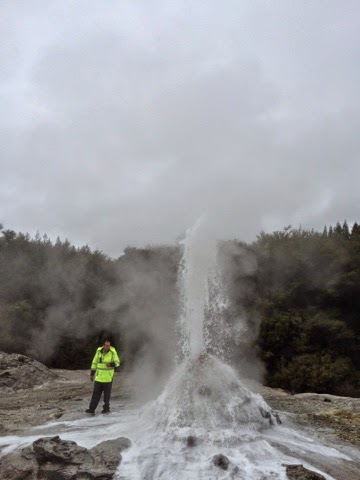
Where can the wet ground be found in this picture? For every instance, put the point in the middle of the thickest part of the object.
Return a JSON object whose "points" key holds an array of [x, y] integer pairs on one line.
{"points": [[334, 421]]}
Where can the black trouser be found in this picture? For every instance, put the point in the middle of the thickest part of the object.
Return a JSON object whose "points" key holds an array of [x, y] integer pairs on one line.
{"points": [[100, 387]]}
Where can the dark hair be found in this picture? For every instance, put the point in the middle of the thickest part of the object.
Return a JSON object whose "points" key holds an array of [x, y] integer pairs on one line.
{"points": [[106, 340]]}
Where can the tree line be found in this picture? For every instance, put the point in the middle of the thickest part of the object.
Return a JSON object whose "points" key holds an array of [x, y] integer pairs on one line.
{"points": [[298, 291], [305, 296]]}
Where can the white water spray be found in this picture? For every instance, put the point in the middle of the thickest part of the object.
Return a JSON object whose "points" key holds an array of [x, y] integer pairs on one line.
{"points": [[197, 268], [204, 392]]}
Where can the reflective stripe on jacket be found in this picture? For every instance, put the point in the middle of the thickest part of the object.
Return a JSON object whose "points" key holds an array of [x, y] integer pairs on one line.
{"points": [[103, 373]]}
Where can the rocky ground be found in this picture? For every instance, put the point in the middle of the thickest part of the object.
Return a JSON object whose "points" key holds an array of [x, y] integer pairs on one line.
{"points": [[70, 390], [337, 418], [334, 420]]}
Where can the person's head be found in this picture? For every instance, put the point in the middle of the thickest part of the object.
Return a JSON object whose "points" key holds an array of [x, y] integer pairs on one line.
{"points": [[106, 345]]}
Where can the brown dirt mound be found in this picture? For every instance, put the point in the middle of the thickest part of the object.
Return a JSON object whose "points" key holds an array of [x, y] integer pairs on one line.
{"points": [[18, 372]]}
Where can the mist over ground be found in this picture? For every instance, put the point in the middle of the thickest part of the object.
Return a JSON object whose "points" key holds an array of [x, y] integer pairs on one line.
{"points": [[122, 123]]}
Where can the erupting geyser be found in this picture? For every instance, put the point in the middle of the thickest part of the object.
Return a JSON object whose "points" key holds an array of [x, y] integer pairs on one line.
{"points": [[204, 393]]}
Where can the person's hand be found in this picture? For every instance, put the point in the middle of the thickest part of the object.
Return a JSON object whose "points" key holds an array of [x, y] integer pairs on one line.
{"points": [[108, 364], [91, 378]]}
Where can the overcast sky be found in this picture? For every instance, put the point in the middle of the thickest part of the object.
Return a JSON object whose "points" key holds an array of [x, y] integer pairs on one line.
{"points": [[124, 121]]}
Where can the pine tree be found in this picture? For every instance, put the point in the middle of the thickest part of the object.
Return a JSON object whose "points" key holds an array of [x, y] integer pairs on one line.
{"points": [[355, 231], [338, 228], [345, 230]]}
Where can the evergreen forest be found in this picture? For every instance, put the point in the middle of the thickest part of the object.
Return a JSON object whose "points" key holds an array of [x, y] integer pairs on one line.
{"points": [[297, 291]]}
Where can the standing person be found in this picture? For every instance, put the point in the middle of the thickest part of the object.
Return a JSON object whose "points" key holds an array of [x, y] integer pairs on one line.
{"points": [[103, 367]]}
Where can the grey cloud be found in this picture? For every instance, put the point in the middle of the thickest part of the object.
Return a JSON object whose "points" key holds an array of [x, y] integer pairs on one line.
{"points": [[144, 118]]}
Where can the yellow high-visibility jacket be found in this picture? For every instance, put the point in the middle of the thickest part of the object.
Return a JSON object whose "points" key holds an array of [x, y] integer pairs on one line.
{"points": [[103, 373]]}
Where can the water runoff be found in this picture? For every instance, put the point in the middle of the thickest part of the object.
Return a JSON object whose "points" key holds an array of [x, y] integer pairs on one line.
{"points": [[206, 423]]}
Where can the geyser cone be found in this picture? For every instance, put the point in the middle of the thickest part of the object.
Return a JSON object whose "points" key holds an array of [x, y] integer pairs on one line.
{"points": [[207, 394]]}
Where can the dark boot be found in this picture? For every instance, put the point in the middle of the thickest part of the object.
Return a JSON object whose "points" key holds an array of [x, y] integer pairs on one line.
{"points": [[90, 411]]}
